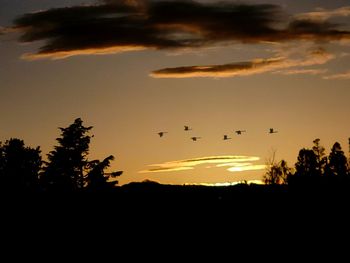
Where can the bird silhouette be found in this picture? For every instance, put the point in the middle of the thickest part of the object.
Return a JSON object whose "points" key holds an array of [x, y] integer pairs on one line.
{"points": [[187, 128], [161, 134], [239, 132], [226, 138], [195, 138], [272, 131]]}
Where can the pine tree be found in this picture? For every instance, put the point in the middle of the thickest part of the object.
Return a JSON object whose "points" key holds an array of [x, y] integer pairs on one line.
{"points": [[97, 179], [68, 168]]}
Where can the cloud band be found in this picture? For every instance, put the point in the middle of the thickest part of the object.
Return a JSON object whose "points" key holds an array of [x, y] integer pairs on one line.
{"points": [[117, 26]]}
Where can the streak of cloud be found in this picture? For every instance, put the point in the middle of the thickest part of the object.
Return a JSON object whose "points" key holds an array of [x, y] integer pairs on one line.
{"points": [[112, 26], [302, 71], [90, 51], [235, 164], [218, 71], [340, 76], [315, 57], [6, 30], [166, 169], [247, 168], [322, 14]]}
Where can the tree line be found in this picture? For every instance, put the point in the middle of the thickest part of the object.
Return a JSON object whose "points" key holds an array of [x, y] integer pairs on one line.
{"points": [[313, 166], [68, 168]]}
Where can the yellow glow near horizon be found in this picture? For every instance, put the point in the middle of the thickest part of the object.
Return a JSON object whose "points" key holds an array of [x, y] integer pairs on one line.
{"points": [[230, 183], [237, 163], [247, 168]]}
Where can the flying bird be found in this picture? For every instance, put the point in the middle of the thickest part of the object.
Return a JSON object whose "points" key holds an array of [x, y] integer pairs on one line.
{"points": [[187, 128], [195, 138], [239, 132], [272, 131], [226, 138], [161, 134]]}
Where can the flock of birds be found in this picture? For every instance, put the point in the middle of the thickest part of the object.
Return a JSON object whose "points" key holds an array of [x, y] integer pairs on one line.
{"points": [[226, 137]]}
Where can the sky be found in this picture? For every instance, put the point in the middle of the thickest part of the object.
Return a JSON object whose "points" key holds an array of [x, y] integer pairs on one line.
{"points": [[134, 68]]}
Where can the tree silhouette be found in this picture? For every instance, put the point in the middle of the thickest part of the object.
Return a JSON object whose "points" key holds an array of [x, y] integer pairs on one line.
{"points": [[97, 179], [337, 164], [307, 164], [65, 168], [321, 158], [19, 166], [276, 172], [68, 168]]}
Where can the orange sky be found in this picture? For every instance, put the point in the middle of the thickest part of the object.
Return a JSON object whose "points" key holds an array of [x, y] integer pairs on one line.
{"points": [[295, 79]]}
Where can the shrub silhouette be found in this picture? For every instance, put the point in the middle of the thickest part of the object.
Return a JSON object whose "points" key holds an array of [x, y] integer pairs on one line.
{"points": [[276, 172]]}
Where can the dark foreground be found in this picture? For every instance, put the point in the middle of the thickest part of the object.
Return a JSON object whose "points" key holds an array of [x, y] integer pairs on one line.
{"points": [[142, 213], [149, 191], [137, 202]]}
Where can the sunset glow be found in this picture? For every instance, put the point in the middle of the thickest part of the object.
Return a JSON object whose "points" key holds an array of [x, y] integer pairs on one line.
{"points": [[235, 164], [140, 71]]}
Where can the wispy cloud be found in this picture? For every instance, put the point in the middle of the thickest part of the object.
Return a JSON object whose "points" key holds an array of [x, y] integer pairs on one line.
{"points": [[235, 164], [314, 57], [6, 30], [216, 71], [161, 169], [247, 168], [88, 51], [117, 26], [340, 76], [302, 71], [322, 14]]}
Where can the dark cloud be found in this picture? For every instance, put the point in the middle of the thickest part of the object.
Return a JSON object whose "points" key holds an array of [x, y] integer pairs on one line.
{"points": [[218, 21], [278, 65], [88, 27], [226, 70], [316, 30], [118, 25]]}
